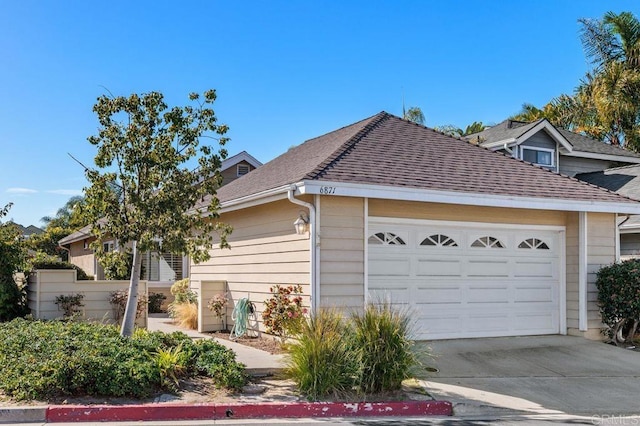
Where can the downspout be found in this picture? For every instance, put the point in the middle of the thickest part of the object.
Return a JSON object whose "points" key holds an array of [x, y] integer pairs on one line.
{"points": [[313, 253]]}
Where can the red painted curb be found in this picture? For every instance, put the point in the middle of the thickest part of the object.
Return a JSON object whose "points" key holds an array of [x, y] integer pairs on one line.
{"points": [[96, 413], [334, 409], [112, 413]]}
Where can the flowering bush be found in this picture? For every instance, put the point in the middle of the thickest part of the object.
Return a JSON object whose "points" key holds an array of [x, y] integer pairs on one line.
{"points": [[217, 304], [284, 314], [118, 301], [619, 299]]}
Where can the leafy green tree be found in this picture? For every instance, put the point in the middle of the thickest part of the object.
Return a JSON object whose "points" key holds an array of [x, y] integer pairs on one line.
{"points": [[149, 151], [414, 114], [13, 301]]}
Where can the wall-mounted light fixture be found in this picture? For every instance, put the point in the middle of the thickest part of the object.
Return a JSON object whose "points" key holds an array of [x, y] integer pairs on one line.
{"points": [[301, 224]]}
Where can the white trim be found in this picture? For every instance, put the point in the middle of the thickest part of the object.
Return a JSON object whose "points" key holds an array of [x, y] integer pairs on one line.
{"points": [[465, 224], [366, 251], [617, 234], [582, 271], [562, 301], [500, 144], [317, 262], [235, 159], [464, 198], [553, 132], [607, 157], [542, 125], [535, 148]]}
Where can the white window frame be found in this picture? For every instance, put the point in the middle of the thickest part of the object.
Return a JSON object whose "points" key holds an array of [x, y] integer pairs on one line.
{"points": [[535, 148]]}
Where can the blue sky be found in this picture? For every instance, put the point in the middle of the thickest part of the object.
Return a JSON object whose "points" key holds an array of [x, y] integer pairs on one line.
{"points": [[284, 71]]}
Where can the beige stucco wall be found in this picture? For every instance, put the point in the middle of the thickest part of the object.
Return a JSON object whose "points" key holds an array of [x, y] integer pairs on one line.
{"points": [[265, 251], [84, 258]]}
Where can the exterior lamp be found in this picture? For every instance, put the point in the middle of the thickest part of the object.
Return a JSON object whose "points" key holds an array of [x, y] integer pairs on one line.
{"points": [[301, 224]]}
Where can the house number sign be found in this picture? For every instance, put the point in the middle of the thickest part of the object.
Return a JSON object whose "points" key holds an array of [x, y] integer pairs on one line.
{"points": [[327, 190]]}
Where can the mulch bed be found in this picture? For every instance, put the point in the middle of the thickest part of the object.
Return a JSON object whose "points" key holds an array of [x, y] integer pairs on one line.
{"points": [[262, 342]]}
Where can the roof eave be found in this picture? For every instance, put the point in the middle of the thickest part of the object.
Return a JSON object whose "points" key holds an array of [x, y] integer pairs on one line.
{"points": [[464, 198], [597, 156]]}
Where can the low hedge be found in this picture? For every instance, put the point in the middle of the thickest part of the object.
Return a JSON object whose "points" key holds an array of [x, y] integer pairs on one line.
{"points": [[44, 359]]}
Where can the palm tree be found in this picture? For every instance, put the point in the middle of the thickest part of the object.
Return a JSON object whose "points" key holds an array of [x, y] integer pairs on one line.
{"points": [[607, 102]]}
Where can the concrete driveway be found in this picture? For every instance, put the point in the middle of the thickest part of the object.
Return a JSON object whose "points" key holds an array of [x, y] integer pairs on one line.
{"points": [[541, 375]]}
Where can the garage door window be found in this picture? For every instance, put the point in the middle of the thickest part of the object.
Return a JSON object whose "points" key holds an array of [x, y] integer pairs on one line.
{"points": [[533, 243], [439, 240], [487, 242], [386, 238]]}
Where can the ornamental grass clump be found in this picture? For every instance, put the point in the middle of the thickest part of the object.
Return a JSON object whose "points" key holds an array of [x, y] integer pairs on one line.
{"points": [[364, 354], [619, 299], [320, 361], [382, 347]]}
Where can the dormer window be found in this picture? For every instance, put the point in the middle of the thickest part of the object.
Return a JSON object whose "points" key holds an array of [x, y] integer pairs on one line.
{"points": [[243, 169], [538, 156]]}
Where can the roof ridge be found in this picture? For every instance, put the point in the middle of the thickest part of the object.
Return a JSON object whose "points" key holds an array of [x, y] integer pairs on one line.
{"points": [[347, 145]]}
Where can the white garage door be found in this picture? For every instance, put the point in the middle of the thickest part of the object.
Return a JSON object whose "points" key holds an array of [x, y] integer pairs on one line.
{"points": [[468, 280]]}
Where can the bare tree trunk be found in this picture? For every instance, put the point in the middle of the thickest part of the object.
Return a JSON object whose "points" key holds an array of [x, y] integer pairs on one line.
{"points": [[129, 320]]}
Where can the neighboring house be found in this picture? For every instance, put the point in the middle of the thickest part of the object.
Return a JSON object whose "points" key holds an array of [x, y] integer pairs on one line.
{"points": [[473, 242], [551, 147], [28, 231], [575, 155], [626, 181], [163, 269]]}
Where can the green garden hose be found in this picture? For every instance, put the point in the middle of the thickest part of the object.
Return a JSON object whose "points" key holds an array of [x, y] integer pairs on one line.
{"points": [[240, 317]]}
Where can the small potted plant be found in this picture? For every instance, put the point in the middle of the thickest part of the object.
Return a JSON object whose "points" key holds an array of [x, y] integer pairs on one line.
{"points": [[218, 305]]}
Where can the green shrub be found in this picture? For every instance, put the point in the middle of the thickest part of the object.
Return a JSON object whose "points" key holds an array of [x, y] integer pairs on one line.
{"points": [[49, 359], [219, 363], [70, 304], [52, 263], [155, 302], [118, 300], [13, 297], [183, 293], [382, 347], [117, 265], [619, 299], [320, 362]]}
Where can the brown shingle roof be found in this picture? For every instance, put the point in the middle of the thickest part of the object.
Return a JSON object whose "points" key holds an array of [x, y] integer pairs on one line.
{"points": [[387, 150]]}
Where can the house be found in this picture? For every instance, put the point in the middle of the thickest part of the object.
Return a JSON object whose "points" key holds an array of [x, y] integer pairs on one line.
{"points": [[572, 154], [474, 243], [27, 231], [551, 147], [161, 270], [626, 181]]}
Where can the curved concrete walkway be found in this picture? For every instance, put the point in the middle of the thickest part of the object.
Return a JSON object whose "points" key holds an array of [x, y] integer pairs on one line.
{"points": [[258, 362]]}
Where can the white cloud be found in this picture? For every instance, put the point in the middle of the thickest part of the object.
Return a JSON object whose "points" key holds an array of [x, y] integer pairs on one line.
{"points": [[21, 191], [66, 191]]}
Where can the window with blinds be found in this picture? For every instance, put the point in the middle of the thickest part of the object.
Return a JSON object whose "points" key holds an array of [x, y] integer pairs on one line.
{"points": [[162, 267]]}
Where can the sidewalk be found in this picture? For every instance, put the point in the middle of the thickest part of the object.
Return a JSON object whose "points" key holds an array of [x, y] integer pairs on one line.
{"points": [[258, 362]]}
